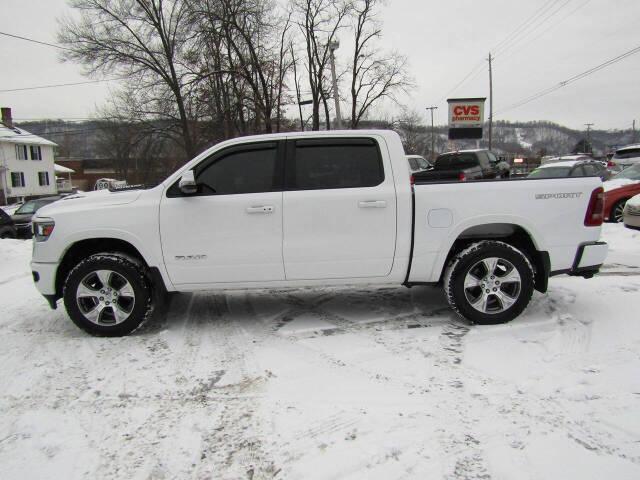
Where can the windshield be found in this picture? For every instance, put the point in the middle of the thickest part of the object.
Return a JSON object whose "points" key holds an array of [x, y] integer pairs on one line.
{"points": [[632, 173], [422, 163], [628, 153], [550, 172], [28, 207]]}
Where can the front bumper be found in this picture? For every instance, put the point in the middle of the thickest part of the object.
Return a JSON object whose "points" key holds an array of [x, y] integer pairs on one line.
{"points": [[589, 258], [44, 277], [631, 220]]}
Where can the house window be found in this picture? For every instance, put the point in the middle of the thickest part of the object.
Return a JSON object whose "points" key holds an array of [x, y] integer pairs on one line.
{"points": [[17, 179], [21, 152], [43, 178], [36, 152]]}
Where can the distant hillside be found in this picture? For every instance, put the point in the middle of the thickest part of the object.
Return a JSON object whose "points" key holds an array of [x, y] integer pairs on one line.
{"points": [[80, 139]]}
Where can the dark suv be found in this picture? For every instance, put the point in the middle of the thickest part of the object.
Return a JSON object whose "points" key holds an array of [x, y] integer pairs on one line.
{"points": [[463, 165], [7, 230]]}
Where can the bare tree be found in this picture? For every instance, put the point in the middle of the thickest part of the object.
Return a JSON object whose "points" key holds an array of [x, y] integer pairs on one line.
{"points": [[143, 41], [374, 75], [248, 40], [319, 22], [413, 134]]}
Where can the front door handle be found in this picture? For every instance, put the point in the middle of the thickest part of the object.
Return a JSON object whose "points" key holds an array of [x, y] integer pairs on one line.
{"points": [[373, 204], [261, 209]]}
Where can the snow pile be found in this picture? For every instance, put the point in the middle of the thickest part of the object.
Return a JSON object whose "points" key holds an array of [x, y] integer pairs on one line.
{"points": [[327, 383]]}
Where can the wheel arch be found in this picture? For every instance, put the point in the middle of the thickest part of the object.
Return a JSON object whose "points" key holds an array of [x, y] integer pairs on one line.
{"points": [[513, 234], [86, 247]]}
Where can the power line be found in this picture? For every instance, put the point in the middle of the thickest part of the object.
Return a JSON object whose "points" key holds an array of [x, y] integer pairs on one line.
{"points": [[553, 25], [528, 31], [57, 85], [479, 67], [575, 78], [516, 31], [35, 41]]}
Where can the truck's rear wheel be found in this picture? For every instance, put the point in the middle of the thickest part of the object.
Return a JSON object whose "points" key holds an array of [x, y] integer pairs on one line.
{"points": [[489, 282], [107, 295]]}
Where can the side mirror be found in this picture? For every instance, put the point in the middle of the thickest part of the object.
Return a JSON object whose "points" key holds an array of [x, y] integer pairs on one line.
{"points": [[187, 183]]}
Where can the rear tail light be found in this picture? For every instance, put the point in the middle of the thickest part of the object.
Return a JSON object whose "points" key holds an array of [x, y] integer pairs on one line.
{"points": [[611, 164], [463, 177], [413, 180], [595, 210]]}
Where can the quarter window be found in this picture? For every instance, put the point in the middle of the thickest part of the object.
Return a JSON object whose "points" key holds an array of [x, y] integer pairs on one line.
{"points": [[343, 165], [17, 179], [246, 171]]}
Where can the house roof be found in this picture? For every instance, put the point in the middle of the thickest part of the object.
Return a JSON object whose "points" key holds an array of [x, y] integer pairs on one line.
{"points": [[19, 135], [60, 169]]}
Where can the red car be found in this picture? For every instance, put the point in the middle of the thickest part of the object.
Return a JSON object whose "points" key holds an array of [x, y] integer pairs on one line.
{"points": [[618, 190]]}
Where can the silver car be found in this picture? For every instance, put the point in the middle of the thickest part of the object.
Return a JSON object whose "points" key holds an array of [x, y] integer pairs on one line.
{"points": [[631, 213]]}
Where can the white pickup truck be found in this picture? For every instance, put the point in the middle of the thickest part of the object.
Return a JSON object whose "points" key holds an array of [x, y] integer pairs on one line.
{"points": [[313, 209]]}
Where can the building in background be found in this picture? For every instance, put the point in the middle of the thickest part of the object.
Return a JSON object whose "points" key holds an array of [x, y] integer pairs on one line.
{"points": [[26, 163]]}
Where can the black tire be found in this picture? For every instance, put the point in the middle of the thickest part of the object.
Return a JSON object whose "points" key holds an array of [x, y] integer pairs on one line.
{"points": [[116, 315], [6, 232], [616, 211], [506, 297]]}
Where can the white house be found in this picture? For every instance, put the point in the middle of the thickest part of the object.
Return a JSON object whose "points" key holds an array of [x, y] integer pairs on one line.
{"points": [[26, 163]]}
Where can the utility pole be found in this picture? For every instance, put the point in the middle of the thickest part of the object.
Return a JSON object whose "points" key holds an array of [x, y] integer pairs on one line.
{"points": [[588, 125], [433, 153], [634, 138], [333, 47], [490, 100]]}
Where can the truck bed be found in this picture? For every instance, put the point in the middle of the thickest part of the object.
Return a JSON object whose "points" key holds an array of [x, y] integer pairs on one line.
{"points": [[550, 211]]}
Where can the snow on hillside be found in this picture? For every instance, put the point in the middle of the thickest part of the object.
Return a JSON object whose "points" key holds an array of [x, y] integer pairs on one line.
{"points": [[520, 137], [379, 383]]}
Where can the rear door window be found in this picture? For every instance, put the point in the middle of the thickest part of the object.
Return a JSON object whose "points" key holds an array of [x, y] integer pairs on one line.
{"points": [[334, 163]]}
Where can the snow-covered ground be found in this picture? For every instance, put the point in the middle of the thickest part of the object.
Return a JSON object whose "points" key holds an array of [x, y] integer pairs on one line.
{"points": [[327, 383]]}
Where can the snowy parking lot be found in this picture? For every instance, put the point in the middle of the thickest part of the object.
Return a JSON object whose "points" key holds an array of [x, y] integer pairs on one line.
{"points": [[327, 383]]}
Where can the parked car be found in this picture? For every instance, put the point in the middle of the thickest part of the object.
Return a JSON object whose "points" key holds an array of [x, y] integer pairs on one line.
{"points": [[566, 158], [7, 230], [618, 190], [312, 209], [462, 165], [417, 163], [584, 167], [631, 213], [626, 156], [22, 217]]}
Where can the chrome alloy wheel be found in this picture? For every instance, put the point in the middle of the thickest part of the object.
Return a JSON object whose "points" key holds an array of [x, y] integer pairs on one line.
{"points": [[105, 297], [618, 210], [492, 285]]}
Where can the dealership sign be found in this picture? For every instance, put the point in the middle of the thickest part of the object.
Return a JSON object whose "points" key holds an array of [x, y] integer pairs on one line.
{"points": [[466, 117]]}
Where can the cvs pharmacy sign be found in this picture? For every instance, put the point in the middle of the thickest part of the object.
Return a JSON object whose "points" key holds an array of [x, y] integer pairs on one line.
{"points": [[466, 112]]}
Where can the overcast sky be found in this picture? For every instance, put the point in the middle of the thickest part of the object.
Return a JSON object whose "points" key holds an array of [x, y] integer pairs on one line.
{"points": [[444, 41]]}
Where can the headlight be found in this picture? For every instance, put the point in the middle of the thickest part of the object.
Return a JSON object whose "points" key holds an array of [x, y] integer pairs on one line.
{"points": [[43, 228]]}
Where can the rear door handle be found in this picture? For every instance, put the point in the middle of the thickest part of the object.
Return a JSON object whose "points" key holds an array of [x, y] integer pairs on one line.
{"points": [[261, 209], [373, 204]]}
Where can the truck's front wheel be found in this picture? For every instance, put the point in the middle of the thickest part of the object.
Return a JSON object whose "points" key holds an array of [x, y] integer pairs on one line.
{"points": [[489, 282], [107, 295]]}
